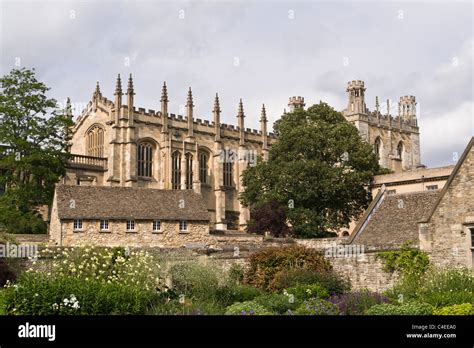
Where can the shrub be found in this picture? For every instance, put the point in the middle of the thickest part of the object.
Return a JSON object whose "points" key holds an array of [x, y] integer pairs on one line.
{"points": [[6, 273], [356, 303], [236, 274], [227, 295], [271, 217], [317, 306], [108, 265], [305, 292], [407, 308], [276, 303], [186, 307], [35, 294], [266, 263], [438, 287], [407, 260], [194, 279], [247, 308], [292, 277], [2, 302], [461, 309]]}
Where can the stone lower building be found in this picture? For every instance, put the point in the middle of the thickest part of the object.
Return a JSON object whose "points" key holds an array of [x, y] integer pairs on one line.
{"points": [[440, 222], [126, 216], [447, 232]]}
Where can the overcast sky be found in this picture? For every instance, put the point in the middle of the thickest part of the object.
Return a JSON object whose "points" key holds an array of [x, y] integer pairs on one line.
{"points": [[261, 52]]}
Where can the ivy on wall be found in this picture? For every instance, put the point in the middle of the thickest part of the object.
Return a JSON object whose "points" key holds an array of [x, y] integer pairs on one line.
{"points": [[407, 260]]}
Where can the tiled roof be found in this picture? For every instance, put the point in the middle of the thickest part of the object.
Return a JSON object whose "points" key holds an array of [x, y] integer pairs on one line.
{"points": [[102, 202], [394, 220]]}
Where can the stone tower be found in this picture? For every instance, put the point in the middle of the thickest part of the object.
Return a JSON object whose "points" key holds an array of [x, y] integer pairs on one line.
{"points": [[296, 103], [396, 139]]}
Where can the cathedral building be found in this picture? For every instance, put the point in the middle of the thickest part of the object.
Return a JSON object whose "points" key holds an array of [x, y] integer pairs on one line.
{"points": [[120, 145], [116, 144]]}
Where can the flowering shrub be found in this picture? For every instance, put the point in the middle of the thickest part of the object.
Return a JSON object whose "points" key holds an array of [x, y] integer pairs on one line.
{"points": [[407, 308], [266, 263], [247, 308], [305, 292], [108, 265], [316, 306], [35, 294], [356, 303]]}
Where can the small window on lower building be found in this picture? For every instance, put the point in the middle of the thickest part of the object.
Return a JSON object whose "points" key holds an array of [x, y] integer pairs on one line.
{"points": [[183, 226], [130, 225], [432, 187], [156, 226], [77, 225], [104, 225], [391, 192], [472, 238]]}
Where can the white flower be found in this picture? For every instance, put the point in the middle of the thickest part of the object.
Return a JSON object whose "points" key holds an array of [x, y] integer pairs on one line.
{"points": [[36, 295], [76, 305], [55, 306], [66, 301]]}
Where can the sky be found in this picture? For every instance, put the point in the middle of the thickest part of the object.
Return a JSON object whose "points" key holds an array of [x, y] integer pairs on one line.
{"points": [[262, 52]]}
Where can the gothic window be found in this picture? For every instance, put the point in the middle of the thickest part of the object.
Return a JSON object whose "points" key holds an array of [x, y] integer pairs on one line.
{"points": [[95, 142], [189, 171], [145, 159], [227, 172], [176, 171], [400, 150], [377, 147], [203, 167]]}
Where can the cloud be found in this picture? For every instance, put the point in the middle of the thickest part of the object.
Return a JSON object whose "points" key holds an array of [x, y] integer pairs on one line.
{"points": [[283, 48]]}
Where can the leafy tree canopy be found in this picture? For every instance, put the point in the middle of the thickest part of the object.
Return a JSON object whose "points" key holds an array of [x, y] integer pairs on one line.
{"points": [[319, 167], [34, 136]]}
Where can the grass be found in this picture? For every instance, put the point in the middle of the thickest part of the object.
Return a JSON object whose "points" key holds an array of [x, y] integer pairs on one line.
{"points": [[2, 303]]}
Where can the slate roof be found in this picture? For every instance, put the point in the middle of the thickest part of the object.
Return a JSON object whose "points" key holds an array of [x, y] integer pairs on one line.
{"points": [[122, 203], [393, 219]]}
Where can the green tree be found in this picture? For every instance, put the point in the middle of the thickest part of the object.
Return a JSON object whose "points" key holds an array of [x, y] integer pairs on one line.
{"points": [[34, 136], [319, 167]]}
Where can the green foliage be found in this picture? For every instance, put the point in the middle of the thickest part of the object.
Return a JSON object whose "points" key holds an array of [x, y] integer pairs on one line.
{"points": [[186, 306], [307, 291], [3, 309], [356, 303], [316, 306], [36, 135], [236, 274], [269, 217], [229, 294], [35, 294], [409, 261], [333, 283], [407, 308], [195, 280], [247, 308], [107, 265], [266, 263], [279, 304], [438, 286], [319, 167], [460, 309]]}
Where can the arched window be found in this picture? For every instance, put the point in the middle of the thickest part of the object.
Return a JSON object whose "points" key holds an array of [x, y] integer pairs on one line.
{"points": [[227, 169], [203, 167], [176, 171], [189, 171], [377, 147], [400, 150], [95, 142], [145, 159]]}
